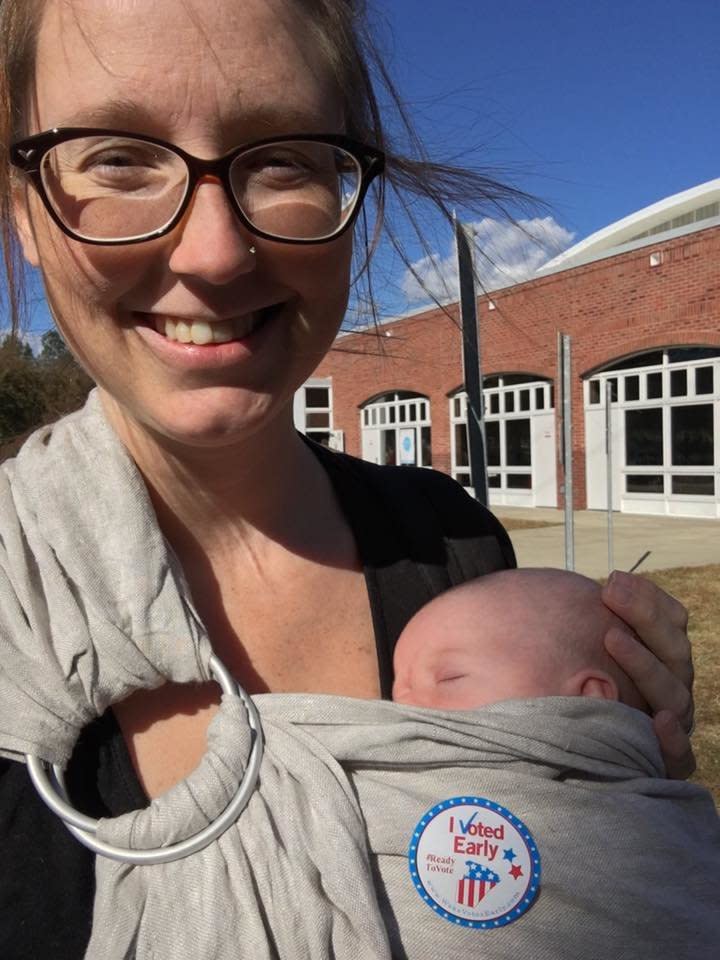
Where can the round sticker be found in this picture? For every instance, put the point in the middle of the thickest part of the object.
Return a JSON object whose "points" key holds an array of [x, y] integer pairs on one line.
{"points": [[474, 863]]}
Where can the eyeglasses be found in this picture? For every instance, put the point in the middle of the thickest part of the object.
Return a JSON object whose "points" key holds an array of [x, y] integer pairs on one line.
{"points": [[111, 187]]}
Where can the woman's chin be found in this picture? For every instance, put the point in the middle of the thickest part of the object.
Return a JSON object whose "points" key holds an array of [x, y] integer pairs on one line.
{"points": [[210, 419]]}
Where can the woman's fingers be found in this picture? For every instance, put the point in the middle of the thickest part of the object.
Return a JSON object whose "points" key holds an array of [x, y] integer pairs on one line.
{"points": [[661, 665], [659, 685], [675, 745], [659, 662]]}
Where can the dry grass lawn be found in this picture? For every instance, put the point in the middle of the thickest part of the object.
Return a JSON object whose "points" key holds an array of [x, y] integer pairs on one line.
{"points": [[519, 524], [699, 589]]}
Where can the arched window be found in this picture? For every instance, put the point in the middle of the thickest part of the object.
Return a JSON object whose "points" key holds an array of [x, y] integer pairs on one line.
{"points": [[396, 429], [519, 426], [665, 432]]}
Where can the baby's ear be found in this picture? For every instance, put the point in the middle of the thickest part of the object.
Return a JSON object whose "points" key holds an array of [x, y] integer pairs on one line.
{"points": [[592, 683]]}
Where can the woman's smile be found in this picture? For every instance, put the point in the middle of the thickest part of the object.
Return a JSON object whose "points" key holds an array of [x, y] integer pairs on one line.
{"points": [[194, 342]]}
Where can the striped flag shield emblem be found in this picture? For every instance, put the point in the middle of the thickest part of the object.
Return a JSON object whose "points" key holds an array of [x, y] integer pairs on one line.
{"points": [[477, 882]]}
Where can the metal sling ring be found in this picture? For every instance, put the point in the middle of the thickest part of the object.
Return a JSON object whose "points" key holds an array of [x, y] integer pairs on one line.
{"points": [[49, 782]]}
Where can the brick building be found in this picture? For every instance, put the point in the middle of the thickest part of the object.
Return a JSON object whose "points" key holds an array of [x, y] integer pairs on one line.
{"points": [[641, 301]]}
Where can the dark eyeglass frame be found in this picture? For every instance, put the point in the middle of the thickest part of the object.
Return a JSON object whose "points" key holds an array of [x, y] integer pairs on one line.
{"points": [[27, 155]]}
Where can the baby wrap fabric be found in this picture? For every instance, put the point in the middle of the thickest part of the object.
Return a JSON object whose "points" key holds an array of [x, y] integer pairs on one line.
{"points": [[93, 605]]}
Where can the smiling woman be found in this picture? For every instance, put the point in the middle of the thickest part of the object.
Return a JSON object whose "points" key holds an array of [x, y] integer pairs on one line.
{"points": [[188, 183]]}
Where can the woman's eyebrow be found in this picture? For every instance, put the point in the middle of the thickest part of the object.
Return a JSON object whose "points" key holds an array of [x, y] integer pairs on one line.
{"points": [[115, 113], [255, 121]]}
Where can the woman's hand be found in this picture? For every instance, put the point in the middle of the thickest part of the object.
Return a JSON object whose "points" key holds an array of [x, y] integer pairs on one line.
{"points": [[660, 666]]}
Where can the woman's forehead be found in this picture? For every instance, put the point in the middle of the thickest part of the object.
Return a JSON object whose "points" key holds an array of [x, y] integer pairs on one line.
{"points": [[181, 65]]}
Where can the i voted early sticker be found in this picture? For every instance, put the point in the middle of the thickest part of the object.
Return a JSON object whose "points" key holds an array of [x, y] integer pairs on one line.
{"points": [[474, 863]]}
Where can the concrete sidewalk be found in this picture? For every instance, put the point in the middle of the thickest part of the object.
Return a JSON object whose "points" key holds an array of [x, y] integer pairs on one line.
{"points": [[672, 541]]}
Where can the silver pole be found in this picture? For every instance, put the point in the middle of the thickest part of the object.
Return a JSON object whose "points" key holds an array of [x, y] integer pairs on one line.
{"points": [[566, 353], [609, 464]]}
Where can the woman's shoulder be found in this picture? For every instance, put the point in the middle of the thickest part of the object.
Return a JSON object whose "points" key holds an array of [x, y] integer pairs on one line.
{"points": [[429, 505]]}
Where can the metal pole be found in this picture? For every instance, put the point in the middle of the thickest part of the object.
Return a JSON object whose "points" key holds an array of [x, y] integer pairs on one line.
{"points": [[566, 354], [471, 364], [609, 463]]}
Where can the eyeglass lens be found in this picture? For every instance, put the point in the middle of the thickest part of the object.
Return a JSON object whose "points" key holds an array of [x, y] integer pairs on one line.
{"points": [[123, 188]]}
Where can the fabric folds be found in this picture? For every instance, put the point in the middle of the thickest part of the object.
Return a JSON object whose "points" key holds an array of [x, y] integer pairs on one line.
{"points": [[93, 605]]}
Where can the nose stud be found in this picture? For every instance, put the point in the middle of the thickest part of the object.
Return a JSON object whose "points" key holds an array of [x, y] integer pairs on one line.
{"points": [[252, 250]]}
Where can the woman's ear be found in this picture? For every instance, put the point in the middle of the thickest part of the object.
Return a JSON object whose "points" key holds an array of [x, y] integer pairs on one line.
{"points": [[592, 683], [23, 223]]}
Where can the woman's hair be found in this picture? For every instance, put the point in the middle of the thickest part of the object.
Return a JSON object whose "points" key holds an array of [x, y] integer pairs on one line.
{"points": [[344, 38]]}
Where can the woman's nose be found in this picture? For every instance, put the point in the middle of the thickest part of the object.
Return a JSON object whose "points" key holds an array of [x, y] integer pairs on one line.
{"points": [[210, 242]]}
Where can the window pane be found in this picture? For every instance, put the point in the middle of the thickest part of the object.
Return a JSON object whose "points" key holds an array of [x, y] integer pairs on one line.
{"points": [[509, 403], [317, 397], [403, 414], [524, 399], [493, 480], [462, 458], [613, 389], [594, 391], [643, 437], [391, 414], [517, 443], [692, 436], [645, 483], [653, 359], [388, 447], [426, 444], [514, 378], [463, 477], [492, 439], [383, 414], [686, 354], [704, 380], [632, 388], [654, 386], [456, 408], [317, 420], [320, 436], [694, 486], [519, 481], [678, 383], [412, 413], [494, 403], [552, 397], [491, 381], [540, 398]]}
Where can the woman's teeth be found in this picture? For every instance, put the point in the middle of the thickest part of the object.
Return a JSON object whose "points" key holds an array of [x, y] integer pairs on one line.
{"points": [[201, 332]]}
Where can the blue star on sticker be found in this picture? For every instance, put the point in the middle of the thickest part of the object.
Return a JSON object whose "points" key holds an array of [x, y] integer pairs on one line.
{"points": [[509, 855]]}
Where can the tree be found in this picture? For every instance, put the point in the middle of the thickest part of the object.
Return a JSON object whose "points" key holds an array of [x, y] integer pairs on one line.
{"points": [[22, 401], [53, 347]]}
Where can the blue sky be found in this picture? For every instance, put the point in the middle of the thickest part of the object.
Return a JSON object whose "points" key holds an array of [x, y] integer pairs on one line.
{"points": [[597, 109]]}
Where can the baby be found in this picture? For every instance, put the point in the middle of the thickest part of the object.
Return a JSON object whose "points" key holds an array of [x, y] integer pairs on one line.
{"points": [[510, 635]]}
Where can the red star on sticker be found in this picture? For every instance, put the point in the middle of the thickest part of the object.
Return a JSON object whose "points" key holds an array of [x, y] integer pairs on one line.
{"points": [[516, 872]]}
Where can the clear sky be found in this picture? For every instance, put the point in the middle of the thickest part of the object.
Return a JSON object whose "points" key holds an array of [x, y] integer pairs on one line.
{"points": [[598, 109]]}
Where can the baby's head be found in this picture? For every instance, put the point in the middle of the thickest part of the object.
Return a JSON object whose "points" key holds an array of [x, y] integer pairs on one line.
{"points": [[510, 635]]}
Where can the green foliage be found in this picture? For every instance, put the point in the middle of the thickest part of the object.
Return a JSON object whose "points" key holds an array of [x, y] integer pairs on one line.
{"points": [[53, 347], [36, 390]]}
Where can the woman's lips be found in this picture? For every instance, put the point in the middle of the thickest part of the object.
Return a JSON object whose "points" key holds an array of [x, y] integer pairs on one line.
{"points": [[197, 342], [202, 332]]}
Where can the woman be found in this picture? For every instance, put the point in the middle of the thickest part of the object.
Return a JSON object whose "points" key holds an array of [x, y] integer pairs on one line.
{"points": [[198, 320]]}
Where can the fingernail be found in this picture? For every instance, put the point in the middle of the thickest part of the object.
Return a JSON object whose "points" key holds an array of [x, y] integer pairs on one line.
{"points": [[619, 587]]}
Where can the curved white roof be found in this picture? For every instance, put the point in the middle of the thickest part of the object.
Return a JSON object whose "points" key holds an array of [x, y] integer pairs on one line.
{"points": [[684, 212]]}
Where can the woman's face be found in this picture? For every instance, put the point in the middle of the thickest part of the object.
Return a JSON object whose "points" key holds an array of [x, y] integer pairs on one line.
{"points": [[206, 75]]}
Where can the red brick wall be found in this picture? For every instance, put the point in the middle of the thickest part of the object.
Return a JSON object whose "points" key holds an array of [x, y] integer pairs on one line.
{"points": [[611, 307]]}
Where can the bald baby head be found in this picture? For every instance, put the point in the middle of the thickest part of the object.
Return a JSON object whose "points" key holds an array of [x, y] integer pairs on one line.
{"points": [[510, 635]]}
